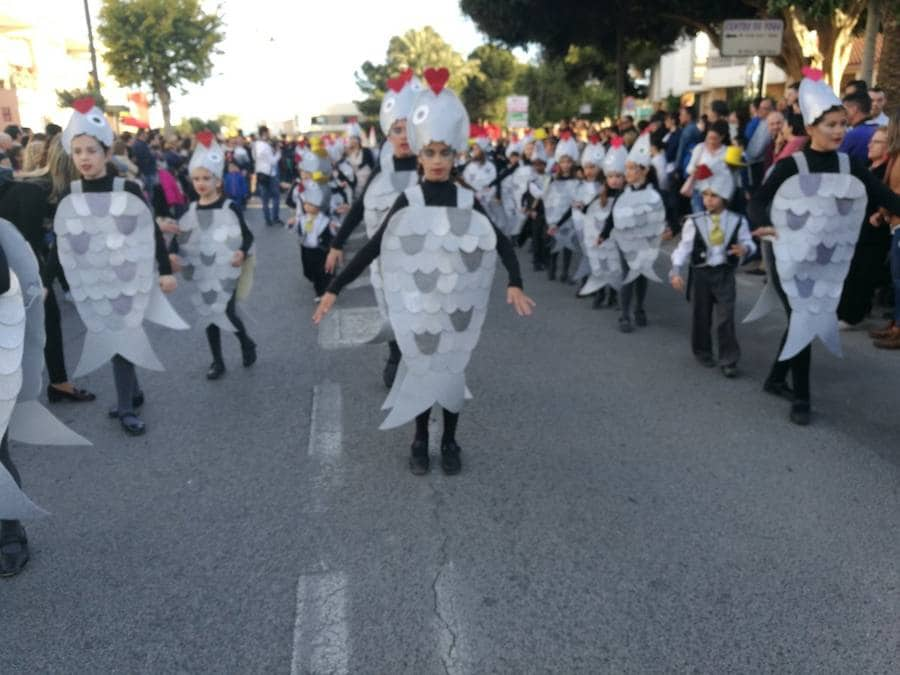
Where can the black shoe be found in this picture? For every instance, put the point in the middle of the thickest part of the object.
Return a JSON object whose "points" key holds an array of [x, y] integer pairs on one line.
{"points": [[249, 355], [451, 463], [778, 388], [216, 370], [418, 459], [800, 413], [55, 395], [613, 299], [599, 299], [13, 552], [625, 325], [564, 278], [390, 372], [279, 221], [136, 402], [640, 318], [706, 361], [730, 370], [132, 424]]}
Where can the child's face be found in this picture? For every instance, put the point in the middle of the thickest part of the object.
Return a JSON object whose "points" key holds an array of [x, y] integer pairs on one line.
{"points": [[205, 183], [540, 166], [310, 209], [615, 180], [713, 202], [437, 161], [591, 172], [566, 164], [89, 156], [635, 174]]}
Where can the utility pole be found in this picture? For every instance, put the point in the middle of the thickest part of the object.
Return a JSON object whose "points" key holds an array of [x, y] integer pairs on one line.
{"points": [[87, 16]]}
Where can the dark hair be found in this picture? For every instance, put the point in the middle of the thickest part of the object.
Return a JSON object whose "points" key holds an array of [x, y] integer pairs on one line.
{"points": [[13, 130], [643, 124], [690, 111], [263, 129], [861, 99], [795, 122], [794, 85], [719, 107], [721, 128], [52, 130], [876, 89], [856, 86]]}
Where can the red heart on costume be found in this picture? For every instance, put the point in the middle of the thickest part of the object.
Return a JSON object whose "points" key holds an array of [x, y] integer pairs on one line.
{"points": [[702, 173], [617, 142], [813, 74], [84, 104], [407, 75], [205, 138], [436, 78], [395, 84]]}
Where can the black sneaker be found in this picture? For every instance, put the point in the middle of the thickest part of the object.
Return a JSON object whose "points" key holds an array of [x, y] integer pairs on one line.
{"points": [[132, 424], [136, 402], [730, 370], [800, 413], [14, 552], [451, 463], [418, 459], [625, 325], [390, 372], [778, 388], [706, 360], [640, 318], [216, 370], [249, 355]]}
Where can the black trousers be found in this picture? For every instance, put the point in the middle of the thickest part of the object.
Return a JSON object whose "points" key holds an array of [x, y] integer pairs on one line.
{"points": [[53, 349], [539, 255], [799, 364], [713, 289], [7, 463], [859, 286], [214, 334], [313, 260]]}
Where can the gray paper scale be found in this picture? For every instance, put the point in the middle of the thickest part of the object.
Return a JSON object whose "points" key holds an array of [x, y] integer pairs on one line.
{"points": [[605, 260], [558, 199], [640, 219], [817, 217], [13, 502], [511, 200], [206, 244], [31, 422], [438, 266]]}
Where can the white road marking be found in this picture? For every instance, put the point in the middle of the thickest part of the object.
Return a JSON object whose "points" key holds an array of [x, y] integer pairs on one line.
{"points": [[349, 327], [321, 640], [325, 431]]}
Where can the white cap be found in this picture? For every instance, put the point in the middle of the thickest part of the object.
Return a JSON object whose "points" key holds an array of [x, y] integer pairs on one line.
{"points": [[437, 115], [539, 152], [566, 147], [640, 151], [815, 98], [398, 99], [87, 119], [717, 178], [593, 154], [208, 155], [614, 161]]}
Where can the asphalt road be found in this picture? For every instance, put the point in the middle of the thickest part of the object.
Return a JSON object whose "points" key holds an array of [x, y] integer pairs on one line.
{"points": [[621, 509]]}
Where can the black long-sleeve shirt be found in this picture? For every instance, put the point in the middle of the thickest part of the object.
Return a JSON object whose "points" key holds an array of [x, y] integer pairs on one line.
{"points": [[436, 194], [880, 195], [25, 206], [355, 215], [105, 184], [4, 272]]}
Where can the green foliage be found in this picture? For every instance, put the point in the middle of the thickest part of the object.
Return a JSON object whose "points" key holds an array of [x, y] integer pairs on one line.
{"points": [[191, 125], [485, 97], [160, 43], [553, 96], [64, 97]]}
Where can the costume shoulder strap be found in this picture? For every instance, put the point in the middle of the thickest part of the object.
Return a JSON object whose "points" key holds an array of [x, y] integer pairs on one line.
{"points": [[415, 196], [802, 164], [226, 204], [843, 162], [75, 187], [465, 198], [118, 184]]}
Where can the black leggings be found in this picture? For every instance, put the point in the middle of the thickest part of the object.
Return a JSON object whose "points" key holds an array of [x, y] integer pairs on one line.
{"points": [[214, 335], [799, 364], [450, 421], [6, 461], [53, 349]]}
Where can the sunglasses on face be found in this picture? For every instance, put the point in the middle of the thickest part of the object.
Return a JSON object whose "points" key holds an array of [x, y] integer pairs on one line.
{"points": [[431, 153]]}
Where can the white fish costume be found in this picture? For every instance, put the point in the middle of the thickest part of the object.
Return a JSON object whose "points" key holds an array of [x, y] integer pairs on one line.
{"points": [[558, 199], [817, 217], [388, 184], [207, 241], [511, 195], [438, 265], [106, 244], [640, 220]]}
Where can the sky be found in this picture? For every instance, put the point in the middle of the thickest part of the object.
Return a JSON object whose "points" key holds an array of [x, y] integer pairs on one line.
{"points": [[283, 59]]}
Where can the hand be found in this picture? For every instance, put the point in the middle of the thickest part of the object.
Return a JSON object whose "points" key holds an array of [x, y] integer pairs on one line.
{"points": [[551, 231], [667, 234], [766, 231], [167, 283], [325, 305], [167, 225], [335, 257], [342, 209], [517, 298], [600, 240], [238, 258], [739, 250], [175, 262], [291, 222], [876, 220], [677, 283]]}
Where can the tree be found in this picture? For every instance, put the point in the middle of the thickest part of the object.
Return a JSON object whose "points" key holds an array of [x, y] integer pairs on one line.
{"points": [[485, 97], [889, 66], [64, 97], [163, 44], [555, 93]]}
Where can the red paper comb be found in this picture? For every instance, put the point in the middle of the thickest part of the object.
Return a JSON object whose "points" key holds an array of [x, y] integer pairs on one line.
{"points": [[83, 104], [565, 135], [205, 138], [437, 78], [702, 173], [617, 142], [395, 84], [813, 74], [594, 139], [407, 75]]}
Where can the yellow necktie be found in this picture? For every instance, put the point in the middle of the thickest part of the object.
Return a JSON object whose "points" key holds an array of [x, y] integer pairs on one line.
{"points": [[308, 225], [716, 235]]}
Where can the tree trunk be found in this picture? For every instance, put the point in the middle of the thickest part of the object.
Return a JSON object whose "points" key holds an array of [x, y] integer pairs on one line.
{"points": [[836, 41], [620, 70], [165, 101], [873, 15], [889, 65], [791, 59]]}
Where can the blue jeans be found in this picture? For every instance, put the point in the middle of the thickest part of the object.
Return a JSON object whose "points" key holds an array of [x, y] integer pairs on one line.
{"points": [[271, 196], [895, 272]]}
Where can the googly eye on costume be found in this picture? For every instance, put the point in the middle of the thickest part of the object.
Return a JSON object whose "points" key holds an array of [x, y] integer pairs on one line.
{"points": [[99, 121], [389, 104], [214, 157], [420, 114]]}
